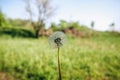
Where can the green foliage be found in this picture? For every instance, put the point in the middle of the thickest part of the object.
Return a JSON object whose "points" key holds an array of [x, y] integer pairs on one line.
{"points": [[17, 22], [95, 58], [54, 26], [2, 19], [16, 32], [64, 24]]}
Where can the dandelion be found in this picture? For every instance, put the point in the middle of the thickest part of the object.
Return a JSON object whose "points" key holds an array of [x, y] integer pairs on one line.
{"points": [[56, 40]]}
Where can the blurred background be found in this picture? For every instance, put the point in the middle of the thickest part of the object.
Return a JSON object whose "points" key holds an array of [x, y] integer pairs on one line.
{"points": [[93, 39]]}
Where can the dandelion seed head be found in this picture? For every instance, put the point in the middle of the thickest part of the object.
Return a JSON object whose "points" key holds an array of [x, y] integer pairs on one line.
{"points": [[57, 39]]}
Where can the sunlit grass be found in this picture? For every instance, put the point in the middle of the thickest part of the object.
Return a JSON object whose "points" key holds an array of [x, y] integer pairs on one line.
{"points": [[96, 58]]}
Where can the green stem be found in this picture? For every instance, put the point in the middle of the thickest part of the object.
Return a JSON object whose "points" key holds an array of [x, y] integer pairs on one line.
{"points": [[60, 78]]}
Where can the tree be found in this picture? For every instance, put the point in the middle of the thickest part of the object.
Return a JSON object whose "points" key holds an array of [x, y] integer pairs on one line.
{"points": [[44, 10], [92, 24], [112, 26], [2, 19]]}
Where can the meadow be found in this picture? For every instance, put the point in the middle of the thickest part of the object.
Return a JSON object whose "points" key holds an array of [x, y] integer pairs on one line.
{"points": [[91, 58]]}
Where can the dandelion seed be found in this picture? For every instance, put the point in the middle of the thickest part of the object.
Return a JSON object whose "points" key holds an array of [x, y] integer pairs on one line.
{"points": [[56, 40]]}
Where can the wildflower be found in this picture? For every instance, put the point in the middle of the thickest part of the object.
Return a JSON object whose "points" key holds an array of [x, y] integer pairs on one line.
{"points": [[57, 39]]}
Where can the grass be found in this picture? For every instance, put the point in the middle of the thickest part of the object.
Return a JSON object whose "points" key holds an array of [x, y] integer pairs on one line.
{"points": [[93, 58]]}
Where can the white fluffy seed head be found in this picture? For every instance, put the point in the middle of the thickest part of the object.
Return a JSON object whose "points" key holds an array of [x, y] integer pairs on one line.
{"points": [[57, 39]]}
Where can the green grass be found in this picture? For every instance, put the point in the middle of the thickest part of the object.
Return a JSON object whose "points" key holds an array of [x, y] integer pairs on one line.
{"points": [[95, 58]]}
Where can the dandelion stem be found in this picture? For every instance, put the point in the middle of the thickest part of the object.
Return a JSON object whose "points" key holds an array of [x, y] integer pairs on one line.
{"points": [[59, 67]]}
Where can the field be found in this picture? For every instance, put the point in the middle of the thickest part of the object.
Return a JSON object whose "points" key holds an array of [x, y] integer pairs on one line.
{"points": [[92, 58]]}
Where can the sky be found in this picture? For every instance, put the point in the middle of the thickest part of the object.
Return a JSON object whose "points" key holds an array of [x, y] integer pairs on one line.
{"points": [[102, 12]]}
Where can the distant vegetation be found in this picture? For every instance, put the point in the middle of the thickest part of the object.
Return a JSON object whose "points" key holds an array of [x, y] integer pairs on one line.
{"points": [[2, 19], [19, 27]]}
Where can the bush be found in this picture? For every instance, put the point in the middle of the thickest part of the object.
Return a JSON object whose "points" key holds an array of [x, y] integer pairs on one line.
{"points": [[16, 32]]}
